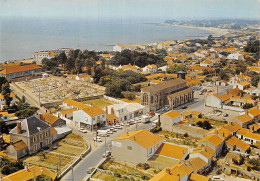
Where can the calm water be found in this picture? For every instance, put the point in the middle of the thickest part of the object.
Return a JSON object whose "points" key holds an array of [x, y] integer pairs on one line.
{"points": [[20, 37]]}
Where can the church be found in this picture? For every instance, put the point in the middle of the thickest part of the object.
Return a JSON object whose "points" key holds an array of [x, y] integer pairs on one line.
{"points": [[172, 94]]}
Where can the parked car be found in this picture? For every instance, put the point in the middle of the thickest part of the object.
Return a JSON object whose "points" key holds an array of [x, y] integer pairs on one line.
{"points": [[225, 115], [218, 111], [82, 130], [89, 170], [184, 107], [112, 129], [106, 154], [109, 132], [97, 139], [118, 127]]}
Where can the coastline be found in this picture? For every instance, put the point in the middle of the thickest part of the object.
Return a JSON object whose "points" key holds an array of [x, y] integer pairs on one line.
{"points": [[213, 30]]}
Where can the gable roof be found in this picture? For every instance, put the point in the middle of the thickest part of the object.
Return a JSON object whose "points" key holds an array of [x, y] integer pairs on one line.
{"points": [[142, 137], [164, 85], [49, 118], [171, 150], [29, 126], [254, 111], [234, 92], [93, 111], [172, 114], [23, 175], [235, 141], [244, 118], [196, 163], [13, 69], [67, 111], [175, 170], [214, 139], [111, 117], [224, 97], [77, 104], [19, 145], [198, 177], [247, 133]]}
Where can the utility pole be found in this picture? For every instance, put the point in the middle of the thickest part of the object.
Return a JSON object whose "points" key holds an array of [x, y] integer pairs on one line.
{"points": [[40, 96]]}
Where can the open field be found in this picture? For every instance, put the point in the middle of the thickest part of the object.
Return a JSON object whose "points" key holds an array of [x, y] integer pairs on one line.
{"points": [[99, 102], [68, 149], [131, 101]]}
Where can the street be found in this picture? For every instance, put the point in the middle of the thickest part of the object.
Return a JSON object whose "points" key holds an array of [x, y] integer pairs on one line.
{"points": [[96, 154]]}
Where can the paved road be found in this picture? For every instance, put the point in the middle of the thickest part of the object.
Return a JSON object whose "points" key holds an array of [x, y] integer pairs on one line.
{"points": [[28, 99], [79, 171]]}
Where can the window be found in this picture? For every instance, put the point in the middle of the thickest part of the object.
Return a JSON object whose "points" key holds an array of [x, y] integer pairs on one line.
{"points": [[34, 147], [47, 141], [46, 133], [129, 147], [24, 151]]}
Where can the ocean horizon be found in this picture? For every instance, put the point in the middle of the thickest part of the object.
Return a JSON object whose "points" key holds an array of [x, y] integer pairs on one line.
{"points": [[20, 37]]}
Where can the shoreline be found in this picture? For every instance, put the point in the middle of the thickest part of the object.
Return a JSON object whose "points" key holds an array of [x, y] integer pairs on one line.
{"points": [[213, 30]]}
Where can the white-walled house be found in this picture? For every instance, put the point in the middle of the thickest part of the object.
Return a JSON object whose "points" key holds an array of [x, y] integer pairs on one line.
{"points": [[169, 118], [88, 117], [2, 100], [215, 100], [126, 111], [150, 68], [119, 48], [235, 56]]}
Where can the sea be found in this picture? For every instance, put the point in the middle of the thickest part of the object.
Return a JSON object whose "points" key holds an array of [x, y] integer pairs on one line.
{"points": [[21, 36]]}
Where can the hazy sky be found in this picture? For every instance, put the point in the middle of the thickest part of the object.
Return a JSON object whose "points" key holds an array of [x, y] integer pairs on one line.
{"points": [[143, 9]]}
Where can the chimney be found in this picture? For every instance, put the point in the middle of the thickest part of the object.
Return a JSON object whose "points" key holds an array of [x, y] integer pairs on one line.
{"points": [[112, 111], [168, 171], [26, 167], [183, 152], [19, 128], [179, 177]]}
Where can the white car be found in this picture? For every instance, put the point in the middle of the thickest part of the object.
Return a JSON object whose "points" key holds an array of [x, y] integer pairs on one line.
{"points": [[97, 139], [82, 130], [118, 127], [109, 132]]}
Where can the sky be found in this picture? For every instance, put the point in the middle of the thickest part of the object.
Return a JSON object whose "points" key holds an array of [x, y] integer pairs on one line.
{"points": [[131, 9]]}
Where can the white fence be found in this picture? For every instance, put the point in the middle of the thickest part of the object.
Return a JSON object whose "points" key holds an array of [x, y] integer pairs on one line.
{"points": [[233, 108], [114, 100]]}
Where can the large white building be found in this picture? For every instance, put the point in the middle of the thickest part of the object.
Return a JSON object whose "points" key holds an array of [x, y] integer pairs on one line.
{"points": [[119, 48], [126, 111], [38, 56]]}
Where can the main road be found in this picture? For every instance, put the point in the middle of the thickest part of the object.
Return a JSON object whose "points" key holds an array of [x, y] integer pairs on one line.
{"points": [[95, 156]]}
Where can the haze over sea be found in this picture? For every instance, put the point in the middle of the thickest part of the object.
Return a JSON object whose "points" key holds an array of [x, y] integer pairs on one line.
{"points": [[20, 37]]}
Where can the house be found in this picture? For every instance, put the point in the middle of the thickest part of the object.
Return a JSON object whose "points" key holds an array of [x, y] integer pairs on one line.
{"points": [[84, 77], [248, 136], [214, 142], [169, 118], [203, 152], [197, 164], [171, 151], [254, 113], [244, 120], [68, 113], [119, 48], [56, 123], [215, 100], [2, 100], [196, 114], [207, 63], [28, 137], [71, 104], [107, 56], [16, 71], [234, 143], [135, 146], [235, 56], [133, 68], [242, 85], [255, 69], [29, 173], [178, 172], [89, 117], [126, 111], [150, 68]]}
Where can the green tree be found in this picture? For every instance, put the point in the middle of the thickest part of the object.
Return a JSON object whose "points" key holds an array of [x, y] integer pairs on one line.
{"points": [[3, 127], [129, 95], [113, 90], [6, 91], [247, 106]]}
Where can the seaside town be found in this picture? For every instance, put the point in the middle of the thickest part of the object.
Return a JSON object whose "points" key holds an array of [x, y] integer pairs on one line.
{"points": [[161, 111]]}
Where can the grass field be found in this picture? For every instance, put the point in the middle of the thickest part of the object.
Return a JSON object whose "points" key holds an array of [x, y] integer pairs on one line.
{"points": [[68, 149], [99, 102], [131, 101]]}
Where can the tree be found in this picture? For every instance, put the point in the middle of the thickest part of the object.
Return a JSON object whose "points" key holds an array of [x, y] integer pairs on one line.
{"points": [[3, 80], [113, 90], [129, 95], [48, 64], [207, 125], [43, 177], [28, 112], [62, 58], [3, 127], [247, 106], [6, 91]]}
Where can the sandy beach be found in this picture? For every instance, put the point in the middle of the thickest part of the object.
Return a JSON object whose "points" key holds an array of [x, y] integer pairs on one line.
{"points": [[214, 31]]}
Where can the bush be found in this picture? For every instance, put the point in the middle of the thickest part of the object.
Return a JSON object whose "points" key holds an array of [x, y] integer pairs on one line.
{"points": [[129, 95], [247, 106], [156, 129], [143, 166], [186, 135], [6, 170], [248, 169], [117, 175]]}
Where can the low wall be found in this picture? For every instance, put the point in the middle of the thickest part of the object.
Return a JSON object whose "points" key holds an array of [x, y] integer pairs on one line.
{"points": [[114, 99], [233, 108], [75, 162]]}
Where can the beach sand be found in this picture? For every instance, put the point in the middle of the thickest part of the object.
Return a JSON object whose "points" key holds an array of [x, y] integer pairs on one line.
{"points": [[214, 31]]}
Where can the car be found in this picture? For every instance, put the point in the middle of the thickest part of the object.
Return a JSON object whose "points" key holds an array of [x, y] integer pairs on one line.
{"points": [[130, 123], [109, 132], [217, 178], [97, 139], [201, 93], [89, 170], [82, 130], [184, 107], [106, 154], [225, 115], [218, 111], [118, 127]]}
